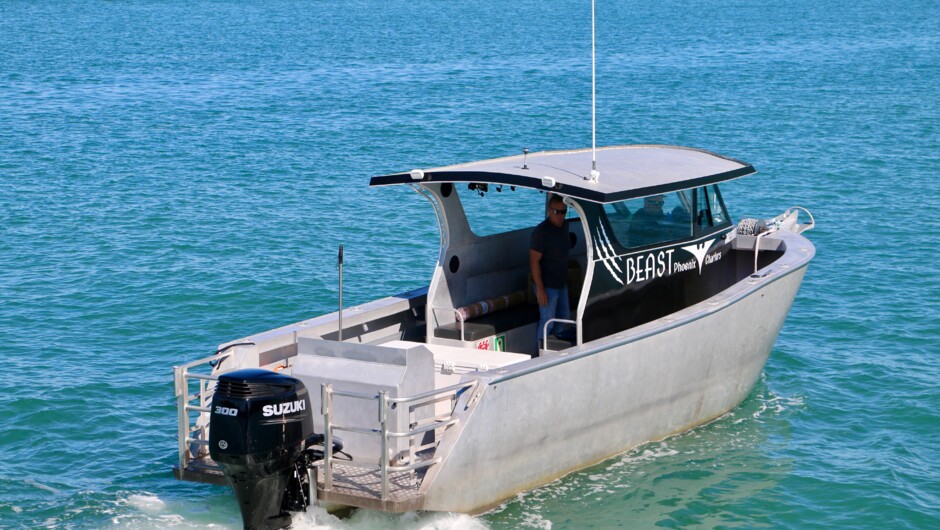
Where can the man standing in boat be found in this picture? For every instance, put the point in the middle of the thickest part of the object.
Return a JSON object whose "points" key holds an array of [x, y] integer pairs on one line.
{"points": [[548, 263]]}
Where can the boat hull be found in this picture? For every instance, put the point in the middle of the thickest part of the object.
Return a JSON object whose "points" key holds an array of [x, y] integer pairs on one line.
{"points": [[579, 408]]}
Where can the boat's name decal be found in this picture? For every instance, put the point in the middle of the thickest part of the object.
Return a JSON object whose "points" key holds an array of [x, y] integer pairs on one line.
{"points": [[626, 270], [284, 408], [648, 267]]}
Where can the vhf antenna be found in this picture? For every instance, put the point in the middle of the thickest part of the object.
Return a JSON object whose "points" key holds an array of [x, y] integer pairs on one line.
{"points": [[595, 174]]}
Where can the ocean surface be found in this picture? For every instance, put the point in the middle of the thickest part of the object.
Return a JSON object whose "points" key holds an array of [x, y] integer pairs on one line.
{"points": [[176, 174]]}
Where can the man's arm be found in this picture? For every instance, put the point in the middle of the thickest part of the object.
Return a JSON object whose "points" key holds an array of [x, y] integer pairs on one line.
{"points": [[535, 257]]}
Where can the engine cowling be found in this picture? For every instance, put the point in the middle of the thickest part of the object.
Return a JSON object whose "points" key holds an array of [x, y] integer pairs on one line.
{"points": [[258, 428]]}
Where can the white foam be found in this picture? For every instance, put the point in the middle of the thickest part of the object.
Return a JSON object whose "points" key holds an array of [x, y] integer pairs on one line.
{"points": [[146, 503], [534, 520], [775, 404], [649, 453], [317, 518], [145, 511], [161, 522]]}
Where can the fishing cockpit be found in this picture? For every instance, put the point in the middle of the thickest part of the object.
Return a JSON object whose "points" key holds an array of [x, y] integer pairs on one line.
{"points": [[481, 293]]}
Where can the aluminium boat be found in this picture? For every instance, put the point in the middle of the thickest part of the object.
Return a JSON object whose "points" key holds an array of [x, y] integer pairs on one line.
{"points": [[447, 397]]}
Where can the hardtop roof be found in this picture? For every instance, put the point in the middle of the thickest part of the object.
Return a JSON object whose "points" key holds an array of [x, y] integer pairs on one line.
{"points": [[626, 171]]}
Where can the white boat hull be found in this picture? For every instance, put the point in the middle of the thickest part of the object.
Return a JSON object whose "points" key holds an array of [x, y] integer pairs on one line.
{"points": [[565, 417]]}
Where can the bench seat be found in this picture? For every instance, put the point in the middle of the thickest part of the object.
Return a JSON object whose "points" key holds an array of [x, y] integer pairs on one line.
{"points": [[490, 324]]}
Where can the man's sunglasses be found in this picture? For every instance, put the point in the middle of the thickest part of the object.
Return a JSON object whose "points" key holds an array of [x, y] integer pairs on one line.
{"points": [[562, 211]]}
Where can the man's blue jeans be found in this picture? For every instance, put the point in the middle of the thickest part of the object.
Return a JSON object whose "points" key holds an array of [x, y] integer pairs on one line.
{"points": [[557, 308]]}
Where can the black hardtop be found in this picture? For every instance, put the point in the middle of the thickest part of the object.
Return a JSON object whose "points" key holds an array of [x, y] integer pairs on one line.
{"points": [[626, 172]]}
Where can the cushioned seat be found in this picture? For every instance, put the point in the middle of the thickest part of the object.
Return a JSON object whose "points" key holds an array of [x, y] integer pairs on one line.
{"points": [[490, 324]]}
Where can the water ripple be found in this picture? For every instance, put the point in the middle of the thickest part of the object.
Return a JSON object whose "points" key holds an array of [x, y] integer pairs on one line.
{"points": [[178, 174]]}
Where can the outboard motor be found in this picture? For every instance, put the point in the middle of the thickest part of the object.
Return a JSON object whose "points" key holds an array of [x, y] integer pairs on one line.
{"points": [[259, 427]]}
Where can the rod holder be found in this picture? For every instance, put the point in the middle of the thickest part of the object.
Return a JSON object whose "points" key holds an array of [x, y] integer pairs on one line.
{"points": [[339, 261]]}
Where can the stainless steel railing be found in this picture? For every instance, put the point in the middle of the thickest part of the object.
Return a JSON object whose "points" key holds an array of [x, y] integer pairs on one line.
{"points": [[787, 220], [757, 239], [193, 433], [548, 324], [416, 429], [458, 314]]}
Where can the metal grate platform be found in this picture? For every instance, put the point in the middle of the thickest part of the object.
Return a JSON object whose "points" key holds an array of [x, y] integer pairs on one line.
{"points": [[355, 486], [201, 470]]}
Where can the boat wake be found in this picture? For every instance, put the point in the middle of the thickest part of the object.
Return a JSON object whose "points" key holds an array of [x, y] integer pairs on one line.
{"points": [[764, 403], [144, 511], [318, 519]]}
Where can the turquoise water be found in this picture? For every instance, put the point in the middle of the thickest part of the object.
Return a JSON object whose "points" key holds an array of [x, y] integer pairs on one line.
{"points": [[178, 174]]}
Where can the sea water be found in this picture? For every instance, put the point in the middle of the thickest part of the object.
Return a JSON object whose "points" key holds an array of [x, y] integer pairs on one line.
{"points": [[178, 174]]}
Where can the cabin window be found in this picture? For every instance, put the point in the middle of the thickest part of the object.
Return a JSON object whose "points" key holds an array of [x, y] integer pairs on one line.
{"points": [[710, 209], [651, 220], [494, 209]]}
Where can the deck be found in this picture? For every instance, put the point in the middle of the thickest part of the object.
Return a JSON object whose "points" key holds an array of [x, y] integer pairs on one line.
{"points": [[355, 486]]}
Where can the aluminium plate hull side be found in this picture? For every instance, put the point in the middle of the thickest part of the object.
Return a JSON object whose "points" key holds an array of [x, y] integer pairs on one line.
{"points": [[530, 429]]}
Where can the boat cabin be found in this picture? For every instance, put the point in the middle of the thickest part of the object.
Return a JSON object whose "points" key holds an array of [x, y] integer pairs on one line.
{"points": [[650, 237]]}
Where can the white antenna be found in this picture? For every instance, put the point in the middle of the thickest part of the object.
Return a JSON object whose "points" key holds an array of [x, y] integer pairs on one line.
{"points": [[595, 174]]}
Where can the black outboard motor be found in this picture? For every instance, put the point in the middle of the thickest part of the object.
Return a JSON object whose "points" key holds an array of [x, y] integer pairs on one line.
{"points": [[259, 427]]}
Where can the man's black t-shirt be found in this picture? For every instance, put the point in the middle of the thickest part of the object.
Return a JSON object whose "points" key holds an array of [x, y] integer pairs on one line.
{"points": [[554, 244]]}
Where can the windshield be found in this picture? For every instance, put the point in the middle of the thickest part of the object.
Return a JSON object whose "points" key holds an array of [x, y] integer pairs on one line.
{"points": [[662, 218], [650, 220]]}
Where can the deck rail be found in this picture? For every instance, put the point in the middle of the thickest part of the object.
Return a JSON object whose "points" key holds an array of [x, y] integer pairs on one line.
{"points": [[192, 429], [194, 390], [384, 404], [770, 230], [457, 313], [780, 222], [548, 325]]}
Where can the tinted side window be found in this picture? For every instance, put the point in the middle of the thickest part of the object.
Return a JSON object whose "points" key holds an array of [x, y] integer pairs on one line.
{"points": [[650, 220], [709, 208], [719, 214], [703, 216]]}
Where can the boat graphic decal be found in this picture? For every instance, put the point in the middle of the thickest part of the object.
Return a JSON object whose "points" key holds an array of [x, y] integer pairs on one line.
{"points": [[607, 254], [609, 247], [699, 250], [613, 274]]}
